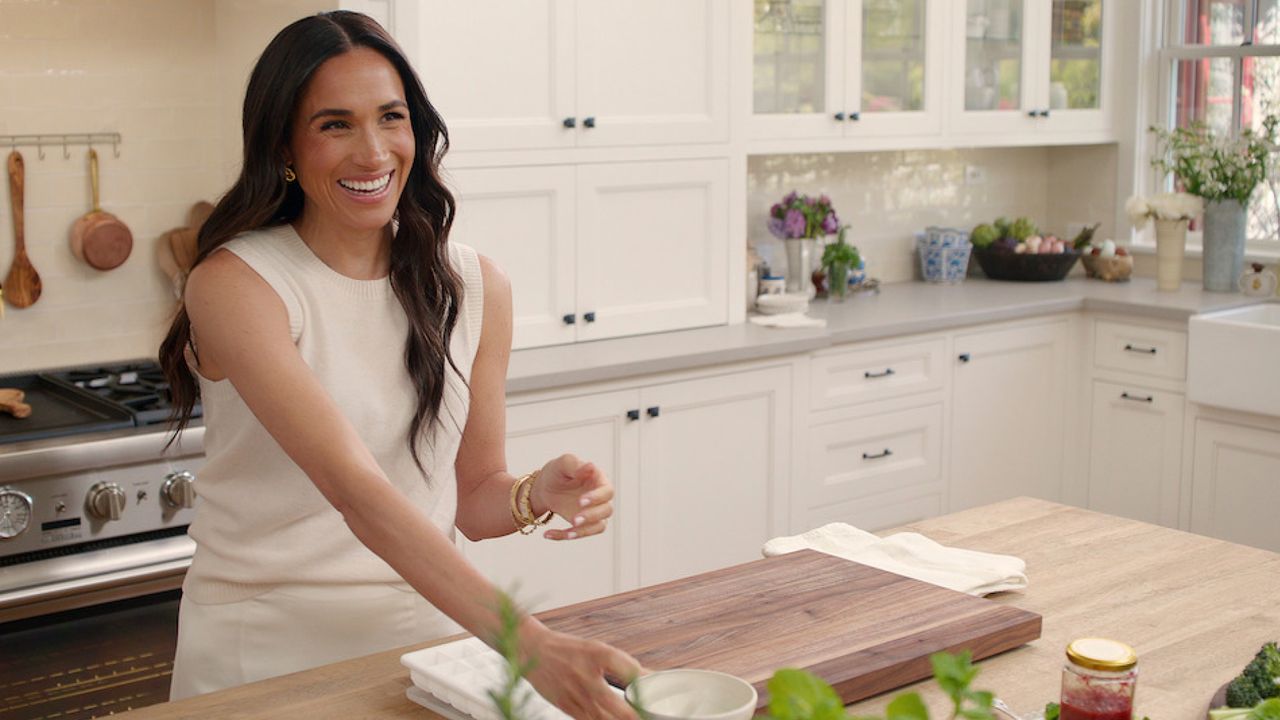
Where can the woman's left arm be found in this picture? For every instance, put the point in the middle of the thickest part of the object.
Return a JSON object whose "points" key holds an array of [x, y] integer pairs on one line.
{"points": [[574, 490]]}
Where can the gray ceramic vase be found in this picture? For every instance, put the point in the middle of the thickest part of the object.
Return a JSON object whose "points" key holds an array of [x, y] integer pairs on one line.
{"points": [[1224, 226]]}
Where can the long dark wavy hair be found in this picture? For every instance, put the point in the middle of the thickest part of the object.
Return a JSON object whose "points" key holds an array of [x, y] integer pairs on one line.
{"points": [[421, 277]]}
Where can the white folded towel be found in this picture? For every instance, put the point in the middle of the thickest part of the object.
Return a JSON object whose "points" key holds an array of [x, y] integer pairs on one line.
{"points": [[912, 555], [788, 320]]}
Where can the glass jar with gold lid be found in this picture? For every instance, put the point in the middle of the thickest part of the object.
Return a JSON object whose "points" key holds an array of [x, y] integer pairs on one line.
{"points": [[1098, 680]]}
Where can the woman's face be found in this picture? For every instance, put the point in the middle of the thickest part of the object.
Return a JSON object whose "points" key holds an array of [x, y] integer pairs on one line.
{"points": [[352, 145]]}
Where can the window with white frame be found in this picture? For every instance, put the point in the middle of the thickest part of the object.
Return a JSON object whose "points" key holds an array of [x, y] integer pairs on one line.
{"points": [[1220, 65]]}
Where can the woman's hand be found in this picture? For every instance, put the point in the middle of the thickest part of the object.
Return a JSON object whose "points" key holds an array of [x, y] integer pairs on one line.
{"points": [[569, 672], [576, 491]]}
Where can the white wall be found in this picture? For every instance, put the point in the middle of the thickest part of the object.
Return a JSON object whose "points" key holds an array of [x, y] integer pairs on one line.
{"points": [[169, 77]]}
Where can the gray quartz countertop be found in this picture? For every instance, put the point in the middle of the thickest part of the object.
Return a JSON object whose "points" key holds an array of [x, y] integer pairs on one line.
{"points": [[899, 309]]}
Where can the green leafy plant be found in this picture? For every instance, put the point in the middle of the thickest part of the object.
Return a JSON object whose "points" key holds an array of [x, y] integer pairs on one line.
{"points": [[840, 252], [1258, 680], [1212, 166], [1265, 710], [508, 698], [801, 695]]}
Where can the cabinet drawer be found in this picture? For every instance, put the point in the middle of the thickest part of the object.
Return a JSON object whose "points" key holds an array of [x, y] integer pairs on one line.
{"points": [[876, 373], [890, 452], [1137, 349]]}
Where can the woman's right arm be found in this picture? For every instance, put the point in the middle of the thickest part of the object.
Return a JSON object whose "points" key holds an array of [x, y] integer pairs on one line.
{"points": [[241, 329]]}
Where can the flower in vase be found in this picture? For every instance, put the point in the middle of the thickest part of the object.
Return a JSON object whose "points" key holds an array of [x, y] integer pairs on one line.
{"points": [[1163, 206]]}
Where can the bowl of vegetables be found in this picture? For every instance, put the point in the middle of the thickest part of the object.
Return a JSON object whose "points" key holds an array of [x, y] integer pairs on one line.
{"points": [[1017, 251]]}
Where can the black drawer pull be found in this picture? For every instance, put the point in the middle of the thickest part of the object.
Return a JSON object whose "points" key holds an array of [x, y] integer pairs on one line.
{"points": [[887, 452], [589, 122], [1137, 398], [839, 116], [870, 375], [633, 414], [1143, 350], [855, 116], [653, 411], [964, 357], [570, 122], [570, 319], [589, 317]]}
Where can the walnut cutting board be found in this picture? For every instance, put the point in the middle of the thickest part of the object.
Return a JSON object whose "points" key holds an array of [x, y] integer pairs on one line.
{"points": [[863, 630]]}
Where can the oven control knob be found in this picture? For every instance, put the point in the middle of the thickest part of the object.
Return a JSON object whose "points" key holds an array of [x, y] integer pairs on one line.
{"points": [[179, 490], [106, 501]]}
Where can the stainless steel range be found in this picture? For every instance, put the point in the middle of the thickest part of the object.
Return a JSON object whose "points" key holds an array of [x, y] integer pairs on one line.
{"points": [[93, 545]]}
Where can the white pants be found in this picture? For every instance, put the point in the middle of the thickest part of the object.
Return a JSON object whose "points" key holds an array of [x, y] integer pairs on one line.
{"points": [[292, 628]]}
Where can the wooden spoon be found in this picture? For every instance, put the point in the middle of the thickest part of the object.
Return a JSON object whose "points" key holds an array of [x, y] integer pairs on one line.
{"points": [[22, 284], [11, 402]]}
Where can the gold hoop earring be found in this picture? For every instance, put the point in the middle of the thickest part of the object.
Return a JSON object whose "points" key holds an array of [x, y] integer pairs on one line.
{"points": [[289, 174]]}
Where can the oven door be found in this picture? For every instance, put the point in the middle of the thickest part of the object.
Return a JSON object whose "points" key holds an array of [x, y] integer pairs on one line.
{"points": [[89, 662]]}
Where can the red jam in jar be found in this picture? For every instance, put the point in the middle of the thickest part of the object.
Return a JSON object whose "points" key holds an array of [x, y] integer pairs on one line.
{"points": [[1098, 680]]}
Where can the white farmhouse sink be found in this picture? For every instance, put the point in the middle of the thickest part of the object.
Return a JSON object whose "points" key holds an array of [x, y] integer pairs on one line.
{"points": [[1233, 359]]}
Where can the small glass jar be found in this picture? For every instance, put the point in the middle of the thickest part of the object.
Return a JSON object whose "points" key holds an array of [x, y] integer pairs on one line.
{"points": [[1098, 680]]}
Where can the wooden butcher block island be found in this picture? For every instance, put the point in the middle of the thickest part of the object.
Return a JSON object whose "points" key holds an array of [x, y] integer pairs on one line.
{"points": [[1195, 609]]}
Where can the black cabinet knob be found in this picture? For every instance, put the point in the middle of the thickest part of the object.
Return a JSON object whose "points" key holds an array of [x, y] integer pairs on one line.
{"points": [[964, 357], [570, 319], [570, 122], [839, 116], [589, 317], [653, 411], [1044, 113], [855, 116], [1033, 113], [633, 414], [589, 122]]}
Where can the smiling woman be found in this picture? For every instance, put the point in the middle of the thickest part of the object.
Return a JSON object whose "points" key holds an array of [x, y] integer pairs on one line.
{"points": [[351, 363]]}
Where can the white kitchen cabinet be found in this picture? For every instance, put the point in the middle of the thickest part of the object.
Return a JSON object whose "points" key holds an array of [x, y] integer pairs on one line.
{"points": [[565, 73], [1135, 452], [1026, 69], [1008, 413], [701, 468], [846, 68], [1236, 483], [602, 250], [714, 480], [548, 573]]}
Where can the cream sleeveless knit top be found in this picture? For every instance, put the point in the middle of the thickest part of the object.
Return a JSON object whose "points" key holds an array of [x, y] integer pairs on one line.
{"points": [[260, 522]]}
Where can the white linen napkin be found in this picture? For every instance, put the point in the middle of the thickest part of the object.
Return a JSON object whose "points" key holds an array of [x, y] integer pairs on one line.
{"points": [[788, 320], [912, 555]]}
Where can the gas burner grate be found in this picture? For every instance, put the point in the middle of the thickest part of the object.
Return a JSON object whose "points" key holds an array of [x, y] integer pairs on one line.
{"points": [[140, 386]]}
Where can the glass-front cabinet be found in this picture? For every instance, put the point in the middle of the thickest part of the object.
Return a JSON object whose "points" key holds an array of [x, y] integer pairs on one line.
{"points": [[846, 68], [1026, 66]]}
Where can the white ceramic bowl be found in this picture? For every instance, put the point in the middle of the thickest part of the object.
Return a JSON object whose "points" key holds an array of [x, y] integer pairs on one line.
{"points": [[691, 694], [783, 303]]}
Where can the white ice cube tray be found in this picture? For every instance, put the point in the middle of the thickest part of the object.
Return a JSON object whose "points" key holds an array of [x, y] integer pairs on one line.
{"points": [[459, 675]]}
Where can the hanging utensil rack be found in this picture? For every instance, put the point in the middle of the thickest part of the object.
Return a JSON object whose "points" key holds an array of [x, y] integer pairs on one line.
{"points": [[63, 140]]}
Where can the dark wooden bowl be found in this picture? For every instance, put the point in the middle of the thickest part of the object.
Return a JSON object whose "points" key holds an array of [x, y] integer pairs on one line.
{"points": [[1006, 265]]}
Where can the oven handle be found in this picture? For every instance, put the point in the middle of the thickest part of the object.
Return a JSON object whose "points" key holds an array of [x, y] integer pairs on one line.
{"points": [[92, 590]]}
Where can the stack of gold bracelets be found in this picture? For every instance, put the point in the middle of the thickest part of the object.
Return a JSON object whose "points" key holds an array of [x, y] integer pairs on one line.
{"points": [[522, 506]]}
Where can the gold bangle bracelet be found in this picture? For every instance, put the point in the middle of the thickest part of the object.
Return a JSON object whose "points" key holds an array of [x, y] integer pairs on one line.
{"points": [[515, 510], [524, 505]]}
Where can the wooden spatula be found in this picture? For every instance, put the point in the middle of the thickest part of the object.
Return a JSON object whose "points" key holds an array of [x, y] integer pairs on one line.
{"points": [[22, 284], [11, 402]]}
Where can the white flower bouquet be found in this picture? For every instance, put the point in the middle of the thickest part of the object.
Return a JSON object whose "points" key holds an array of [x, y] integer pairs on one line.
{"points": [[1163, 206]]}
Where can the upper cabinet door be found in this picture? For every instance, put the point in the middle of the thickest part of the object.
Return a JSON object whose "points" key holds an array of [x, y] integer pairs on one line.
{"points": [[894, 84], [798, 59], [653, 246], [995, 77], [652, 72], [500, 73], [523, 218], [1076, 77]]}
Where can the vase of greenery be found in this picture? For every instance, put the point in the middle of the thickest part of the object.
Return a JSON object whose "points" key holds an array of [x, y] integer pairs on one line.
{"points": [[799, 220], [1224, 171], [839, 258]]}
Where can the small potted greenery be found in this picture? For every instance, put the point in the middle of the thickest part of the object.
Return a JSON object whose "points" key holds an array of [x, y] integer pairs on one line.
{"points": [[839, 258]]}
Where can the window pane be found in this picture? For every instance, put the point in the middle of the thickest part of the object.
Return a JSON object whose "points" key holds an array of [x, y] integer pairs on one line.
{"points": [[1261, 88], [993, 55], [1075, 69], [1203, 91], [790, 56], [1267, 31], [893, 55], [1213, 22]]}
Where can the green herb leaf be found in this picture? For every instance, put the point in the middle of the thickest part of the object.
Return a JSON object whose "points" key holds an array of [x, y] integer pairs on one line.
{"points": [[908, 706], [1052, 711], [801, 695], [1267, 710]]}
